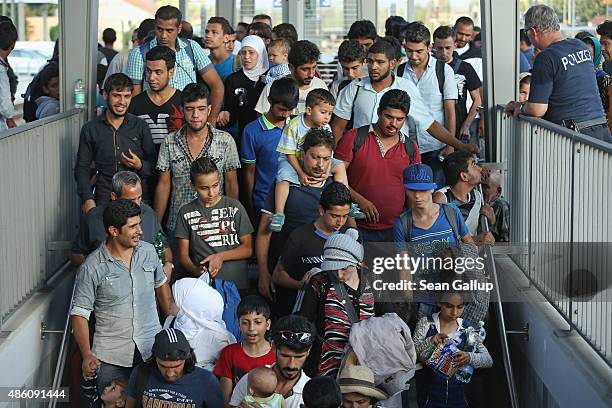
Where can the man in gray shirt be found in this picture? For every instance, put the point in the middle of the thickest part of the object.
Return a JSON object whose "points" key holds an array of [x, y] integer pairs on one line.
{"points": [[126, 185], [118, 282]]}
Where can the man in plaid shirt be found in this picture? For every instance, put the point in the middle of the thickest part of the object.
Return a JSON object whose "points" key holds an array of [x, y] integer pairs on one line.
{"points": [[190, 59]]}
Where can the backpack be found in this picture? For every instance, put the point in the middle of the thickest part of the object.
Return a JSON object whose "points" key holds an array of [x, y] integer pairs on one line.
{"points": [[410, 143], [33, 92], [146, 46], [231, 299], [451, 215], [439, 73]]}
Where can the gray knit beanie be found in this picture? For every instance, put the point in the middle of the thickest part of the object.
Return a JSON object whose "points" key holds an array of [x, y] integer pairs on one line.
{"points": [[341, 251]]}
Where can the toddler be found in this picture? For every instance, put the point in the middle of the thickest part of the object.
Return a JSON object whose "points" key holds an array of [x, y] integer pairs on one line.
{"points": [[524, 86], [278, 54], [262, 386]]}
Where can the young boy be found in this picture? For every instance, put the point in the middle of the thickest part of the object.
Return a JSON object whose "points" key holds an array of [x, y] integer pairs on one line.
{"points": [[352, 59], [213, 231], [259, 141], [48, 103], [319, 106], [438, 329], [238, 359], [524, 86], [114, 395], [278, 54]]}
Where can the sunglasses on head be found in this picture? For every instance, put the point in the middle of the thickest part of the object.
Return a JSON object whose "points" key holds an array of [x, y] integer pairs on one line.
{"points": [[300, 337]]}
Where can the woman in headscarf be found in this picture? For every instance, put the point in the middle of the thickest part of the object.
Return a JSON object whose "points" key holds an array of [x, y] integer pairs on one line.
{"points": [[200, 319], [242, 88]]}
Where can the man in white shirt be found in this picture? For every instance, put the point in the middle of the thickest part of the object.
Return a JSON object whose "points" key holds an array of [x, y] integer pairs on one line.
{"points": [[293, 337], [436, 82], [303, 59]]}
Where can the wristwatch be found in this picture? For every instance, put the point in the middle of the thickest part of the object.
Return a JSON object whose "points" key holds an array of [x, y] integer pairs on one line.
{"points": [[171, 264]]}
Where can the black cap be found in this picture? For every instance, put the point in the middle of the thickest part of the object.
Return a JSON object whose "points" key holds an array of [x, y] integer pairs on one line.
{"points": [[171, 345]]}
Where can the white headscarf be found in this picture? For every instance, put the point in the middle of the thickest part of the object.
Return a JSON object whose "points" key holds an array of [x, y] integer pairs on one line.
{"points": [[200, 308], [263, 64]]}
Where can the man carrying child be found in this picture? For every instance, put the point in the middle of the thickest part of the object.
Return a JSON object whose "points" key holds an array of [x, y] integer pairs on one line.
{"points": [[293, 337], [319, 106]]}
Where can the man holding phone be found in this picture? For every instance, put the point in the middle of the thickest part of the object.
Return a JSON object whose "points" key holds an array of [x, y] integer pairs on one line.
{"points": [[114, 141]]}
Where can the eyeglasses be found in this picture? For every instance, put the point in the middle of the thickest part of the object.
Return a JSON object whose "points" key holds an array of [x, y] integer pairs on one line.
{"points": [[300, 337]]}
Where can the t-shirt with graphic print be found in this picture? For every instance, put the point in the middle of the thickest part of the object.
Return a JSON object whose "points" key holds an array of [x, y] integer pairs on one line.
{"points": [[197, 389], [563, 77], [427, 243], [162, 119], [467, 81], [215, 229]]}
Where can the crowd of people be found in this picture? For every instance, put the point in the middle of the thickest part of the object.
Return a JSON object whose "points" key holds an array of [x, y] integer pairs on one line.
{"points": [[222, 155]]}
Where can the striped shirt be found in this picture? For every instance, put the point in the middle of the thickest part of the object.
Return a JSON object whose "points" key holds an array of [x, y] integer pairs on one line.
{"points": [[293, 135], [333, 322], [184, 70]]}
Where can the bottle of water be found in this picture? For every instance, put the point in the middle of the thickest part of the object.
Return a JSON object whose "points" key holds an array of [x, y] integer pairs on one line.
{"points": [[79, 94]]}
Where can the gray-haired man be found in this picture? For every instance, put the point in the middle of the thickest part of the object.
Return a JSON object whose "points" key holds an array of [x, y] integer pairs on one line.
{"points": [[563, 87], [126, 185]]}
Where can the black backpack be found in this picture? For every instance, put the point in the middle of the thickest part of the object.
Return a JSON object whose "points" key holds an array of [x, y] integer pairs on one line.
{"points": [[410, 142], [439, 73], [33, 92]]}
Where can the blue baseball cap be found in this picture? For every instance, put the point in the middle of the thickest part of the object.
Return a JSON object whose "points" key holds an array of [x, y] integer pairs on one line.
{"points": [[419, 177]]}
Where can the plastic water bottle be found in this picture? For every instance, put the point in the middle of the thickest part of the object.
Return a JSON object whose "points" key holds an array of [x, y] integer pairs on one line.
{"points": [[79, 94]]}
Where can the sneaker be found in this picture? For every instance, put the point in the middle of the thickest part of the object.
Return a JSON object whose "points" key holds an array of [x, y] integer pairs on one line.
{"points": [[277, 221], [356, 213]]}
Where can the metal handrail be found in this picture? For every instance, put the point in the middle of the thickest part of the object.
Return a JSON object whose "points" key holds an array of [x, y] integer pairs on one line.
{"points": [[576, 142], [501, 324], [38, 123], [570, 134], [63, 351]]}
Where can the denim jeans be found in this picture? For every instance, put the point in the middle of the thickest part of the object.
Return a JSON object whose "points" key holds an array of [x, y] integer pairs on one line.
{"points": [[601, 132], [108, 372]]}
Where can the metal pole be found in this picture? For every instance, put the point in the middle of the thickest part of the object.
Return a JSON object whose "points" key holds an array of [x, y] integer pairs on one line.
{"points": [[46, 22], [183, 8], [21, 19]]}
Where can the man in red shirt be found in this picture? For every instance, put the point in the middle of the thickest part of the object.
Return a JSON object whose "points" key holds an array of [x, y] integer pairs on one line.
{"points": [[375, 164]]}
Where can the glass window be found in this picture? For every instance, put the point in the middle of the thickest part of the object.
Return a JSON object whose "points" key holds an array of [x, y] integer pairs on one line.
{"points": [[37, 28], [326, 23], [198, 13], [387, 8], [246, 9]]}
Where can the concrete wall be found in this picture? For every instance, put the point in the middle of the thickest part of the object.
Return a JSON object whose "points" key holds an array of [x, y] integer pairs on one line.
{"points": [[26, 360], [553, 368]]}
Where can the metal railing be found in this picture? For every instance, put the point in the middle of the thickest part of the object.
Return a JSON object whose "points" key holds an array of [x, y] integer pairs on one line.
{"points": [[559, 186], [39, 206]]}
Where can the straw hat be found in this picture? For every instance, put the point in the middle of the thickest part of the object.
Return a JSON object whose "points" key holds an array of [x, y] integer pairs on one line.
{"points": [[359, 379]]}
